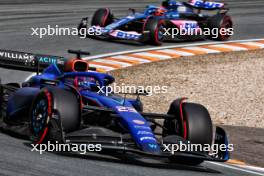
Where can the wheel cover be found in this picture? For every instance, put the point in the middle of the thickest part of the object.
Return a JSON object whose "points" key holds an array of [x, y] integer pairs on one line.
{"points": [[160, 32], [159, 37], [39, 116]]}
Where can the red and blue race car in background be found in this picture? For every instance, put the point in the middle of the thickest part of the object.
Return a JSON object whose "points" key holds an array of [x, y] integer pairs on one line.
{"points": [[157, 24]]}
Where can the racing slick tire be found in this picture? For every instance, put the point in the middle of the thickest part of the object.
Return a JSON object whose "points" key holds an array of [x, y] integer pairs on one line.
{"points": [[193, 123], [223, 23], [102, 17], [54, 111], [155, 29]]}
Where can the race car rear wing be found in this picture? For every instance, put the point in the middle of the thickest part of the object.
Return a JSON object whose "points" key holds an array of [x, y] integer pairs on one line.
{"points": [[206, 5], [27, 61]]}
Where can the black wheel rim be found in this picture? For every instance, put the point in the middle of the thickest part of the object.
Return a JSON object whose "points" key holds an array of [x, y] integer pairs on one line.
{"points": [[161, 33], [39, 116]]}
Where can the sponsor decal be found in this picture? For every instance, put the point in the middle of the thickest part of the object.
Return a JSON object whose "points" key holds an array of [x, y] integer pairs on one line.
{"points": [[50, 60], [190, 25], [147, 138], [142, 127], [139, 122], [20, 56], [125, 35], [153, 146], [126, 109], [206, 4], [144, 132], [186, 24]]}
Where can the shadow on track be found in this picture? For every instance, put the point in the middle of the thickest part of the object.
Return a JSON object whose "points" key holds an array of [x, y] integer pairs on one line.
{"points": [[129, 160], [139, 44]]}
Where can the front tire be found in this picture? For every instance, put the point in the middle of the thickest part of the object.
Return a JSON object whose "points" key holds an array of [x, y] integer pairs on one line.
{"points": [[54, 111], [155, 29], [199, 123], [102, 17], [192, 123]]}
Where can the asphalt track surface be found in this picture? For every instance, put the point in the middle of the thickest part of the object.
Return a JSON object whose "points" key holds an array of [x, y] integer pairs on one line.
{"points": [[16, 158], [17, 17]]}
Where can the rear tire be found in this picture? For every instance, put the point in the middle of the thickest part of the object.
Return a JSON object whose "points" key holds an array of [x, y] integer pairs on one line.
{"points": [[102, 17], [220, 21], [155, 28], [6, 91], [53, 112]]}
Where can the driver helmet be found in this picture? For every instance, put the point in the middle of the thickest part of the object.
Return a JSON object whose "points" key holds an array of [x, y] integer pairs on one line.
{"points": [[160, 11]]}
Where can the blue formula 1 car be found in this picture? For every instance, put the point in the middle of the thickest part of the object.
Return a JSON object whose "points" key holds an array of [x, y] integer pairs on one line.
{"points": [[63, 104], [173, 20]]}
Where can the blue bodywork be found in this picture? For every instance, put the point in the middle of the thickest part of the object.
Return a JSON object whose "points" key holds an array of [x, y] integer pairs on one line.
{"points": [[171, 11], [92, 91], [131, 120]]}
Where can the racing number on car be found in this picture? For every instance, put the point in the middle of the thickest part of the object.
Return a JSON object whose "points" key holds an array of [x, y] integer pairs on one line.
{"points": [[126, 109]]}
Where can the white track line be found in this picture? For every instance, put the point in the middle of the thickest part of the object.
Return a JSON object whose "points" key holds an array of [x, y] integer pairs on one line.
{"points": [[158, 56], [196, 48], [260, 169], [131, 58], [237, 168], [122, 64], [254, 44], [166, 47], [106, 68], [234, 48], [182, 53]]}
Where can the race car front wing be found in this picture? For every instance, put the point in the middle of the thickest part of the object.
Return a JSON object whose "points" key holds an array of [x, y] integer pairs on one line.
{"points": [[112, 145]]}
